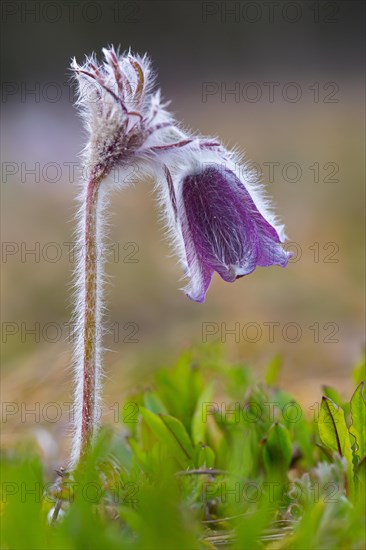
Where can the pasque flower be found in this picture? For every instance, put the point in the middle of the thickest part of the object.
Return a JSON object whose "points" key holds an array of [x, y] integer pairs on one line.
{"points": [[217, 221]]}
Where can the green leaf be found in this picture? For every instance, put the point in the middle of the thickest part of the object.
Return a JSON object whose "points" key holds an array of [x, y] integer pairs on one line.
{"points": [[139, 454], [273, 370], [332, 394], [17, 501], [199, 420], [334, 433], [358, 415], [359, 373], [132, 518], [178, 430], [326, 451], [204, 457], [361, 477], [333, 428], [164, 436], [277, 451], [179, 388], [154, 404]]}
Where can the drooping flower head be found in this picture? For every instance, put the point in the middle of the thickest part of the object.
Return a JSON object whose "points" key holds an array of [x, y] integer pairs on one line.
{"points": [[217, 221]]}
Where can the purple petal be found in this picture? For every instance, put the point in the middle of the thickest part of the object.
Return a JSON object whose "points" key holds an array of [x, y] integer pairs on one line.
{"points": [[223, 230], [200, 274]]}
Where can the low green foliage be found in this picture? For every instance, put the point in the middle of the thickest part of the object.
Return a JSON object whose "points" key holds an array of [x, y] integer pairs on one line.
{"points": [[212, 459]]}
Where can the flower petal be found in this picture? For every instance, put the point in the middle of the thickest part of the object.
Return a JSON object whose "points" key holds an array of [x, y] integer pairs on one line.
{"points": [[225, 228]]}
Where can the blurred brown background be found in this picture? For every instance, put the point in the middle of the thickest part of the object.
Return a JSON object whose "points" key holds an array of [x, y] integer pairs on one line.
{"points": [[297, 111]]}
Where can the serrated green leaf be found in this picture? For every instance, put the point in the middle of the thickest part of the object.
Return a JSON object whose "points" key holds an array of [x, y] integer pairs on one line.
{"points": [[358, 415]]}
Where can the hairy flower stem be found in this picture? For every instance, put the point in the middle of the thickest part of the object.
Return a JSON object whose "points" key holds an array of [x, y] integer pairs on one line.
{"points": [[91, 372], [89, 314]]}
